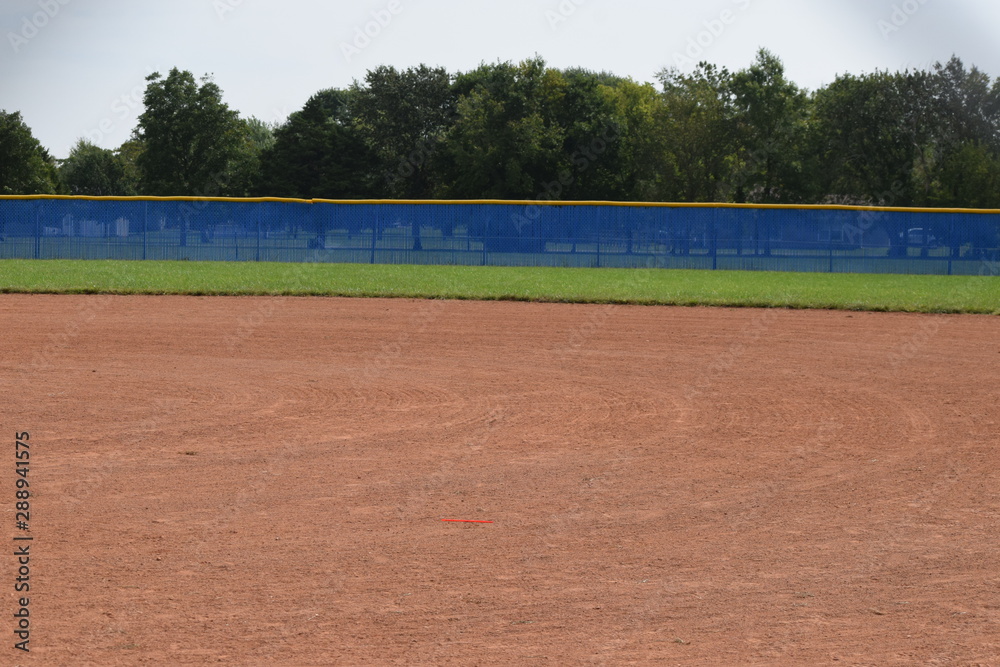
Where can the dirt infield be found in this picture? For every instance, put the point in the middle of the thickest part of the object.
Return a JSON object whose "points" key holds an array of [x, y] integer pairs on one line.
{"points": [[263, 481]]}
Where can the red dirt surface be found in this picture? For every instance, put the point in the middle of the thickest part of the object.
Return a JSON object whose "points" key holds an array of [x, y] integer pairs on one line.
{"points": [[263, 481]]}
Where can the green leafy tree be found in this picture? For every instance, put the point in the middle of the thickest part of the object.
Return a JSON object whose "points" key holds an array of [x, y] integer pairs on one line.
{"points": [[91, 170], [957, 166], [967, 104], [246, 172], [769, 122], [585, 106], [537, 132], [402, 116], [648, 167], [507, 141], [190, 136], [969, 177], [527, 131], [698, 119], [128, 157], [190, 139], [317, 153], [868, 135], [25, 166]]}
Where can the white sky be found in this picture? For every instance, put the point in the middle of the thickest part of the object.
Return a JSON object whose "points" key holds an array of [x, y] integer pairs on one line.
{"points": [[82, 72]]}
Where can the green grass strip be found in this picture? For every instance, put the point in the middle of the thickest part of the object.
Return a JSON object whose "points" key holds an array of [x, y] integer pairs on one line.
{"points": [[878, 292]]}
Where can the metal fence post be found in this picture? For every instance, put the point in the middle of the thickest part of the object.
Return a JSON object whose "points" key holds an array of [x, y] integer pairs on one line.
{"points": [[486, 231], [951, 236], [715, 240], [830, 247], [38, 231], [374, 232]]}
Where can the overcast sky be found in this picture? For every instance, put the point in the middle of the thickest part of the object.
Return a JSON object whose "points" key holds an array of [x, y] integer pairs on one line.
{"points": [[77, 68]]}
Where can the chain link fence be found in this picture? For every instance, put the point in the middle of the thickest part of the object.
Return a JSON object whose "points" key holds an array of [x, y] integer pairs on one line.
{"points": [[570, 234]]}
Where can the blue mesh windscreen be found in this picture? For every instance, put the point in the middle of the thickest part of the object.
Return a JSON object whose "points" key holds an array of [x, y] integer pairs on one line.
{"points": [[503, 234]]}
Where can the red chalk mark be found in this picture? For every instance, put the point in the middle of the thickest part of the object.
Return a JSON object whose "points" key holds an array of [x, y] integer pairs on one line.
{"points": [[465, 521]]}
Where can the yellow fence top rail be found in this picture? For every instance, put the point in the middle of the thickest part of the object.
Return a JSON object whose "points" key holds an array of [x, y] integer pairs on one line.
{"points": [[152, 198], [516, 202]]}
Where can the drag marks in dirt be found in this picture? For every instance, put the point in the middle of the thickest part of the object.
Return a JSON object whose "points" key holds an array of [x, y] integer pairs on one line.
{"points": [[812, 500], [885, 419]]}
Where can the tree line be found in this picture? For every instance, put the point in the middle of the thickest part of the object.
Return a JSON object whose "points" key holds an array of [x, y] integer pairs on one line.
{"points": [[528, 131]]}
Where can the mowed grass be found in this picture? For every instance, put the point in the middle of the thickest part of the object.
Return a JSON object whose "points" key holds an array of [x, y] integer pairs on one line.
{"points": [[935, 294]]}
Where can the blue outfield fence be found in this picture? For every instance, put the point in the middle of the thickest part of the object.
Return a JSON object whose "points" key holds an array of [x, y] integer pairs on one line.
{"points": [[838, 239]]}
